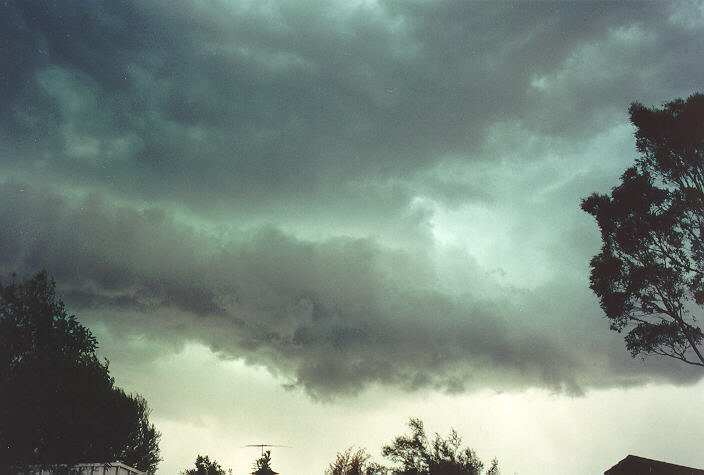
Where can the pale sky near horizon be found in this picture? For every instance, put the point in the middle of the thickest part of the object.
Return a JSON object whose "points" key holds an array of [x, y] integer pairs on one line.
{"points": [[303, 222]]}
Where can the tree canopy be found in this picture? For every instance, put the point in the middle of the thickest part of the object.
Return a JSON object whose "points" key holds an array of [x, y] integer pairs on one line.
{"points": [[649, 273], [354, 462], [60, 404], [262, 466], [416, 454], [205, 467]]}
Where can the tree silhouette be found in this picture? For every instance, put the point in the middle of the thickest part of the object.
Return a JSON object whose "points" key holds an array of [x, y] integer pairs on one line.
{"points": [[205, 467], [59, 402], [262, 466], [416, 454], [649, 273], [354, 462]]}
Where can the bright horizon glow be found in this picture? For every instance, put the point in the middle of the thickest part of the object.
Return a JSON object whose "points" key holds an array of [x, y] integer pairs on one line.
{"points": [[528, 431]]}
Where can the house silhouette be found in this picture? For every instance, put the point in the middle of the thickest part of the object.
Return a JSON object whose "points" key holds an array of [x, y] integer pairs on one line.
{"points": [[634, 465]]}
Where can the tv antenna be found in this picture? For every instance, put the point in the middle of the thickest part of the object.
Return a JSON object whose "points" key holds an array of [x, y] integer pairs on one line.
{"points": [[261, 446]]}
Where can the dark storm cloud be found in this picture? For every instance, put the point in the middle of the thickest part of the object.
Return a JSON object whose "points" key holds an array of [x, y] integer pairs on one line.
{"points": [[236, 104], [331, 317], [332, 136]]}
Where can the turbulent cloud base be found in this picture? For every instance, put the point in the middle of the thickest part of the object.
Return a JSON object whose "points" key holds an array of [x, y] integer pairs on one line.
{"points": [[349, 195]]}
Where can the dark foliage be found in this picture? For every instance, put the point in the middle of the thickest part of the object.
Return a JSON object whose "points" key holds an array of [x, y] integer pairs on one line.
{"points": [[205, 467], [649, 273], [262, 466], [416, 454], [354, 462], [59, 402]]}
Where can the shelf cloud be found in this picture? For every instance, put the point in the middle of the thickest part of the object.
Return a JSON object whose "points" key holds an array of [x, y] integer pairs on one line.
{"points": [[349, 194]]}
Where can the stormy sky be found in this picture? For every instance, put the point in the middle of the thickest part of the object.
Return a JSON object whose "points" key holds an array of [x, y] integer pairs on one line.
{"points": [[278, 215]]}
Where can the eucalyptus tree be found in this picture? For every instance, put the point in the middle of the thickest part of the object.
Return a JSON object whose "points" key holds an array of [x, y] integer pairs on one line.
{"points": [[649, 275]]}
